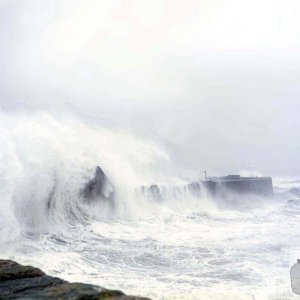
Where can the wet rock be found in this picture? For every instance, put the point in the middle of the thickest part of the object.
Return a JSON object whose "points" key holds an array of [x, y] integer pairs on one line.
{"points": [[10, 270], [99, 188], [152, 192], [26, 282], [155, 192], [20, 286]]}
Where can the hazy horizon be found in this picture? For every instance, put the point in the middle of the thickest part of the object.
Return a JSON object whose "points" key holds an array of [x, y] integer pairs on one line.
{"points": [[216, 82]]}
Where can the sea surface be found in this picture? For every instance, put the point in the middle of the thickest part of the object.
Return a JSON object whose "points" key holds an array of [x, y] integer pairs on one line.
{"points": [[180, 253], [180, 248]]}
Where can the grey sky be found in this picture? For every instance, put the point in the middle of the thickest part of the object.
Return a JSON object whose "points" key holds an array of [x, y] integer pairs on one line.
{"points": [[218, 80]]}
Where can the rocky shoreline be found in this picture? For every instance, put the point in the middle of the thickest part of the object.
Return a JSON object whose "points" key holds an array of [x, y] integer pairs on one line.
{"points": [[26, 282]]}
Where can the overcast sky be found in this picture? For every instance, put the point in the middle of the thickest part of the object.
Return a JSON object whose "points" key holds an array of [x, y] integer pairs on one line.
{"points": [[218, 81]]}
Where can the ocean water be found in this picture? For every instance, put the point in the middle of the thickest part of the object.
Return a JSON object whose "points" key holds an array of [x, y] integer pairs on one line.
{"points": [[180, 248]]}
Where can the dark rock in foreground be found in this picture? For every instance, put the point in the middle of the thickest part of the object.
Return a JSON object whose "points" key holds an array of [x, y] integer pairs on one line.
{"points": [[26, 282]]}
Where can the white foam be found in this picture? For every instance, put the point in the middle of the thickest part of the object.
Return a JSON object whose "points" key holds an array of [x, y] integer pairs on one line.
{"points": [[182, 248]]}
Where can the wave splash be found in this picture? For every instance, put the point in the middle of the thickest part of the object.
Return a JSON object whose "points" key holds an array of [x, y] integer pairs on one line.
{"points": [[46, 161], [183, 241]]}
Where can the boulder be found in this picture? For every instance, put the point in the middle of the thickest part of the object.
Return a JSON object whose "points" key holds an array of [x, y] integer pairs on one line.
{"points": [[26, 282], [99, 188], [152, 192]]}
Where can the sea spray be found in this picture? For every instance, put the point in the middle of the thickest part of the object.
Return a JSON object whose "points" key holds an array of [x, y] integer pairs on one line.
{"points": [[45, 162], [183, 247]]}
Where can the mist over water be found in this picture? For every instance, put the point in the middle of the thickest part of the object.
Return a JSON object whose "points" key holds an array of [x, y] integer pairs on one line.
{"points": [[153, 92], [183, 247], [42, 156]]}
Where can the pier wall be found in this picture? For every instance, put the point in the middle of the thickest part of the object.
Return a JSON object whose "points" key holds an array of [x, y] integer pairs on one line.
{"points": [[218, 187]]}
